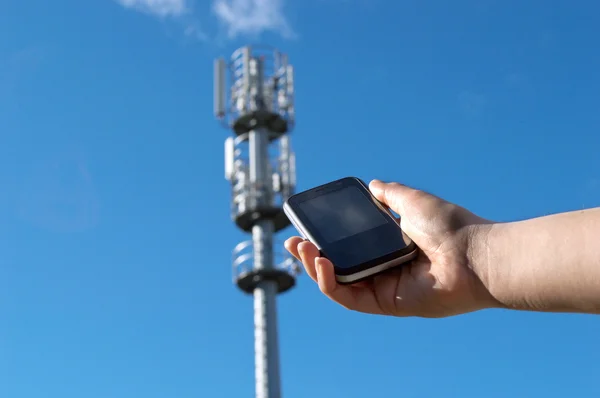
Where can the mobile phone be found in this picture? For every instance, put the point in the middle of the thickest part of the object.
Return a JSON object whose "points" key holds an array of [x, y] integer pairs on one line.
{"points": [[351, 228]]}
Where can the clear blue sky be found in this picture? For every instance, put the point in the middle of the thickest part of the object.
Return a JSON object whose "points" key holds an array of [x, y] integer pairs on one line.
{"points": [[115, 236]]}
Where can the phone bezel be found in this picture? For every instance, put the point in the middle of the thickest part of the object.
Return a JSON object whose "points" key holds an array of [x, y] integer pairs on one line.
{"points": [[377, 264]]}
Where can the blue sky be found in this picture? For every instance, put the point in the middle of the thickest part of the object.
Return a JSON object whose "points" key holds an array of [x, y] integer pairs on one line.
{"points": [[115, 236]]}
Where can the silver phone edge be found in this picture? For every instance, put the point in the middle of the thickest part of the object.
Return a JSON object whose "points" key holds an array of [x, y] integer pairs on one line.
{"points": [[377, 269], [296, 224]]}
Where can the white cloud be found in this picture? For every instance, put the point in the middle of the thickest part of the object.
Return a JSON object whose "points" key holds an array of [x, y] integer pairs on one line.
{"points": [[160, 8], [238, 17], [178, 12], [471, 103], [251, 17]]}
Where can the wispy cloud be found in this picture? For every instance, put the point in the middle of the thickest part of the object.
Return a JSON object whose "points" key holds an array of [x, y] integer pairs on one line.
{"points": [[159, 8], [58, 192], [471, 103], [252, 17], [176, 11], [14, 69], [237, 17]]}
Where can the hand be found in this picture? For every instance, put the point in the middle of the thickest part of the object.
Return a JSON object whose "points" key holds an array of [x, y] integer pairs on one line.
{"points": [[443, 280]]}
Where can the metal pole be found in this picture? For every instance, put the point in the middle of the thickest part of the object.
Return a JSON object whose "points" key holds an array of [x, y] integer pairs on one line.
{"points": [[266, 355]]}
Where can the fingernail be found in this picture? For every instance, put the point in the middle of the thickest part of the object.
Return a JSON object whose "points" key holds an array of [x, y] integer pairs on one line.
{"points": [[376, 184]]}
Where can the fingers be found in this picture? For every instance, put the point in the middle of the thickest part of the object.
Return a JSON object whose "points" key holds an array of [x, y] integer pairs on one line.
{"points": [[305, 252], [352, 297], [393, 194], [357, 297], [308, 259], [291, 245]]}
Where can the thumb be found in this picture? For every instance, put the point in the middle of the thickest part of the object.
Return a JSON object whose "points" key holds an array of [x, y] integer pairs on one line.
{"points": [[393, 194]]}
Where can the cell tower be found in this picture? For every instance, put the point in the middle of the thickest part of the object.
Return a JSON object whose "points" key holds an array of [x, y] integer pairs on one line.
{"points": [[254, 97]]}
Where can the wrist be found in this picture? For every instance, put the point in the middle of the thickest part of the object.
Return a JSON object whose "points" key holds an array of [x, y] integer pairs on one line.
{"points": [[478, 256], [532, 265]]}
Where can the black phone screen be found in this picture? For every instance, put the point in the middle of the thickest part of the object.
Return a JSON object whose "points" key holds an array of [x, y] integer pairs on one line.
{"points": [[349, 226], [343, 213]]}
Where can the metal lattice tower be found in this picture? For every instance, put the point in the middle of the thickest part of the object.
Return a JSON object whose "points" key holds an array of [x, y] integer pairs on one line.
{"points": [[254, 97]]}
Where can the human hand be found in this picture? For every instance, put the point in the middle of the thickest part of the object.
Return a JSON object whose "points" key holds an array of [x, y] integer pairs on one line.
{"points": [[445, 279]]}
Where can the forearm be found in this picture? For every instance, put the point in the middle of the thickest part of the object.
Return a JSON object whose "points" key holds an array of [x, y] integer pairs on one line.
{"points": [[550, 263]]}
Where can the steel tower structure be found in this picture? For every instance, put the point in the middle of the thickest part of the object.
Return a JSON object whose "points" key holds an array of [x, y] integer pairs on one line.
{"points": [[254, 97]]}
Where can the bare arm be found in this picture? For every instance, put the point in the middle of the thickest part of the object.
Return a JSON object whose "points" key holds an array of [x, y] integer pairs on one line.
{"points": [[549, 263]]}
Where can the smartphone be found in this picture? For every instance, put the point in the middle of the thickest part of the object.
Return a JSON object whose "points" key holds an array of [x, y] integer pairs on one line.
{"points": [[351, 228]]}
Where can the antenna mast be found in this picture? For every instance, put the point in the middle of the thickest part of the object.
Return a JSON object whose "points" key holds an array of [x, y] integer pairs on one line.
{"points": [[254, 97]]}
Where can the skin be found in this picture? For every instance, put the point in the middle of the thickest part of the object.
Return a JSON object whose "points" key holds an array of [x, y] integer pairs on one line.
{"points": [[467, 263]]}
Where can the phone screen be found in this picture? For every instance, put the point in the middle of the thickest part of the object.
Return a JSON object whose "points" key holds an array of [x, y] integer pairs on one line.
{"points": [[348, 225], [343, 213]]}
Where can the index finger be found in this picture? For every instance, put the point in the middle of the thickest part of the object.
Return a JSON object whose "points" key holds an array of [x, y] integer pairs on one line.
{"points": [[392, 194]]}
